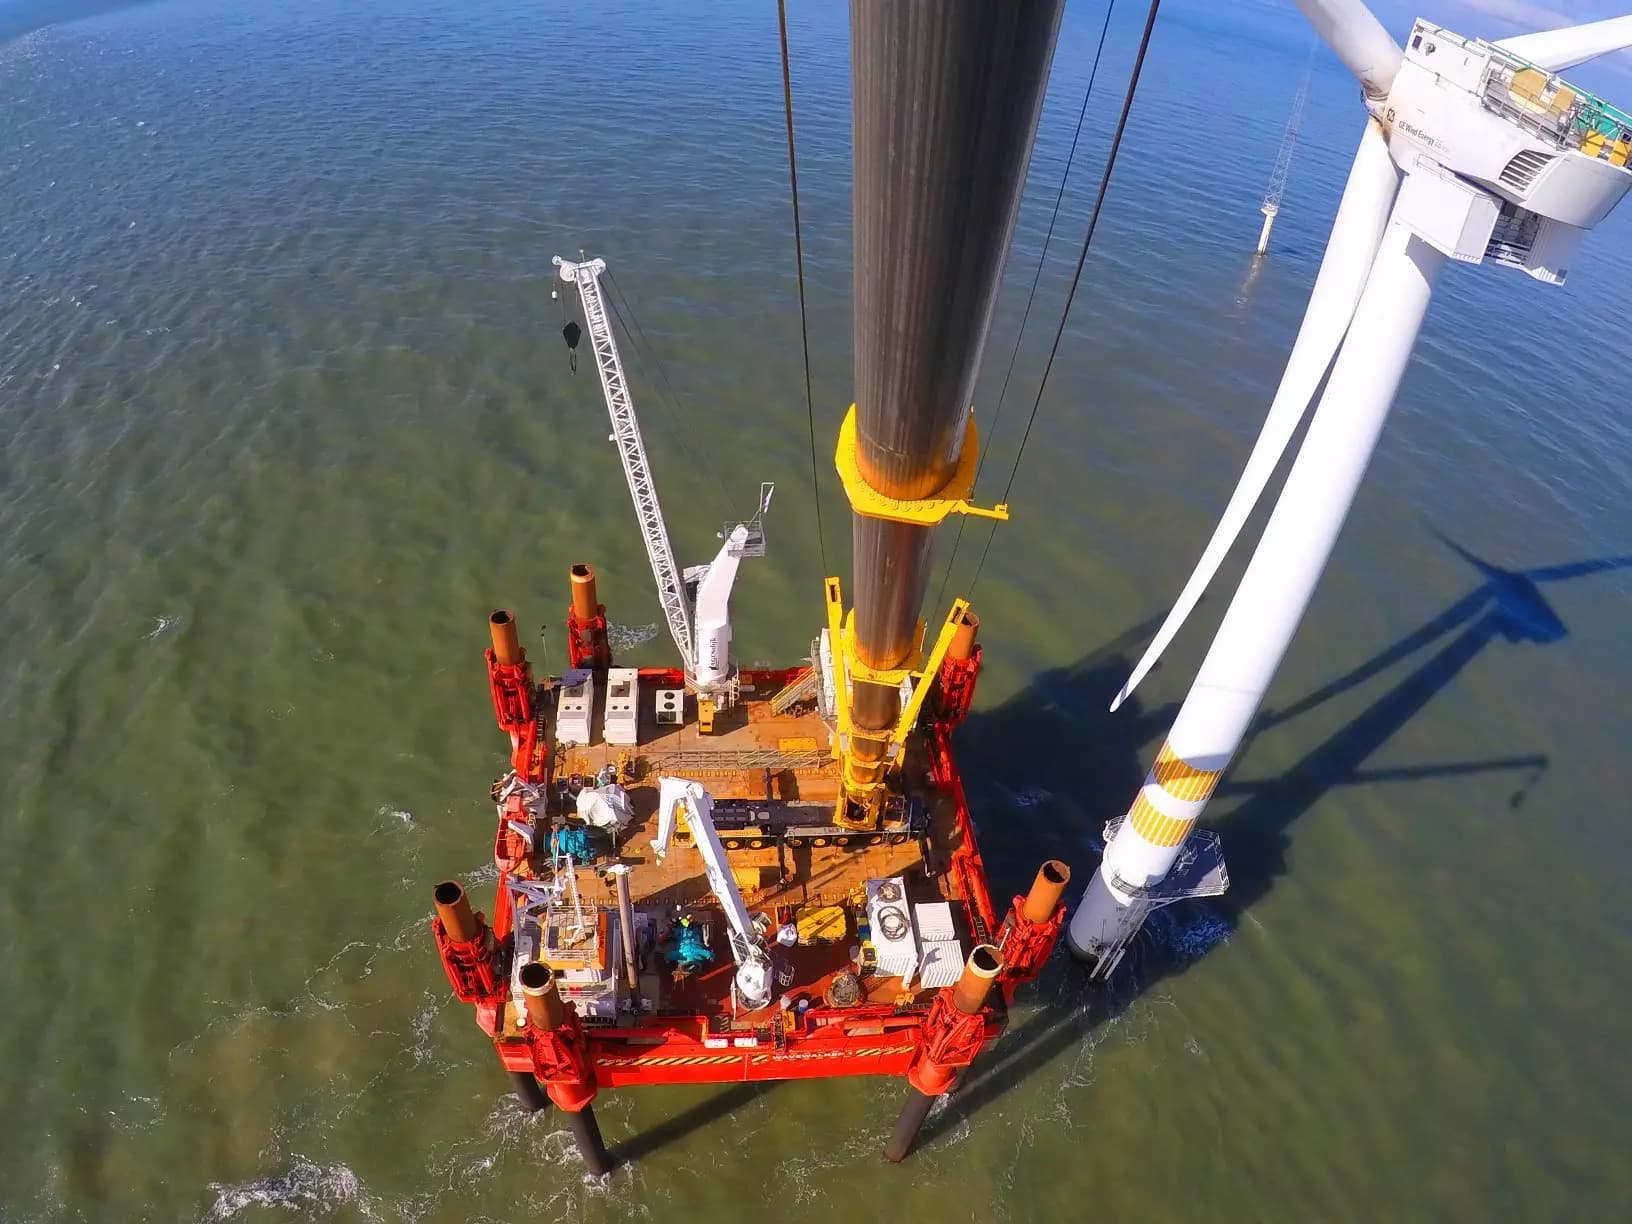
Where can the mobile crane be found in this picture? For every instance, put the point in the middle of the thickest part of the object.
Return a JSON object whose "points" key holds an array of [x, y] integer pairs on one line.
{"points": [[753, 980]]}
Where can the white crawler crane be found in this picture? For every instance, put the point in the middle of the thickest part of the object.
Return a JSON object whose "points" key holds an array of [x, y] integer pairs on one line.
{"points": [[705, 652], [1473, 151]]}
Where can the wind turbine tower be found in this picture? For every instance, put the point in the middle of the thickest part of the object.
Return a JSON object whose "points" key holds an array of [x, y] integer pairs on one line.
{"points": [[1473, 151], [1283, 160]]}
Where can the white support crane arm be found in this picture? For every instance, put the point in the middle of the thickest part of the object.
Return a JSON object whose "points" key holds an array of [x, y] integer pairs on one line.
{"points": [[753, 966], [671, 589], [714, 611]]}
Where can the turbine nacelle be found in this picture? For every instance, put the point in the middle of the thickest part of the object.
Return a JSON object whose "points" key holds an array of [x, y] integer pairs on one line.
{"points": [[1501, 160], [1554, 156]]}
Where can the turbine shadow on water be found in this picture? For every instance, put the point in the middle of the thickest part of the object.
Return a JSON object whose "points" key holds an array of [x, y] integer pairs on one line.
{"points": [[1095, 760]]}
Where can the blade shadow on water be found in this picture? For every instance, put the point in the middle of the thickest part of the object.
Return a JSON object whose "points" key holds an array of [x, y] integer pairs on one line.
{"points": [[1074, 748]]}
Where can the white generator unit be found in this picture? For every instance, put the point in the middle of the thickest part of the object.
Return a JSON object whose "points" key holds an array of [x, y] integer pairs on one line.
{"points": [[889, 915], [942, 964], [620, 724], [934, 921], [941, 957], [671, 707], [574, 706]]}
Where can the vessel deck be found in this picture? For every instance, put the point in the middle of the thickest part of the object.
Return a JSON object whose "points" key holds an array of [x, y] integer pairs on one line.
{"points": [[756, 755], [753, 754]]}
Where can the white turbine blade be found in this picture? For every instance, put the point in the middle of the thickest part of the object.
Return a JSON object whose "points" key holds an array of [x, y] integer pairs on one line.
{"points": [[1557, 50], [1352, 30], [1356, 234]]}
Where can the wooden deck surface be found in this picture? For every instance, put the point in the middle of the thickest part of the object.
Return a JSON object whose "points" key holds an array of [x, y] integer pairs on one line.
{"points": [[757, 755]]}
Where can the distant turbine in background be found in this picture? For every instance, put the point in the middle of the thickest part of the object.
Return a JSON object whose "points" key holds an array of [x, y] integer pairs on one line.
{"points": [[1283, 159], [1473, 151]]}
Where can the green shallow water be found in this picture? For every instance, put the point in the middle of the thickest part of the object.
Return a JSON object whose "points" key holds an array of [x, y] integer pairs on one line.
{"points": [[286, 413]]}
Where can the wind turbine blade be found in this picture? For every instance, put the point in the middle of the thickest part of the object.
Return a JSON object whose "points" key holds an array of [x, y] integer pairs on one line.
{"points": [[1352, 30], [1356, 234], [1557, 50]]}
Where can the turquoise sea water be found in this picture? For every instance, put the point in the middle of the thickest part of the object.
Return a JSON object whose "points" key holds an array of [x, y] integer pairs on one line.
{"points": [[285, 412]]}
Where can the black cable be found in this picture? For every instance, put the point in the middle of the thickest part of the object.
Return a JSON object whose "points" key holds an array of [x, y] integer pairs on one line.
{"points": [[1014, 353], [799, 264], [674, 408], [1082, 258]]}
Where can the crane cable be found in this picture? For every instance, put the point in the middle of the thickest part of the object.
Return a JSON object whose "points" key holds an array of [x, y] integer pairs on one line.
{"points": [[799, 264], [1082, 258], [673, 409], [1020, 334]]}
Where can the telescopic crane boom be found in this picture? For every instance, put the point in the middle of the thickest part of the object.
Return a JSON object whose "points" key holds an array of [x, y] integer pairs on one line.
{"points": [[753, 966]]}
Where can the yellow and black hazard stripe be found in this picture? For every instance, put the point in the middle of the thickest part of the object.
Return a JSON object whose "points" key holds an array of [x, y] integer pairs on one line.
{"points": [[839, 1052], [681, 1060], [710, 1060]]}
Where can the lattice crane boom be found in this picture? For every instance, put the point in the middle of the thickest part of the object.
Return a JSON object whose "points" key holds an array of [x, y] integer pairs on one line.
{"points": [[1289, 145], [671, 590]]}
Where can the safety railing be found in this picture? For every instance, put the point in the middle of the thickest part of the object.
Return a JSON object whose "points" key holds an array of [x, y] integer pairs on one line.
{"points": [[1556, 111]]}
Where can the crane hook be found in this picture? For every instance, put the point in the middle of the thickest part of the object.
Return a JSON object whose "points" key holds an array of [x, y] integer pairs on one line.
{"points": [[572, 333]]}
